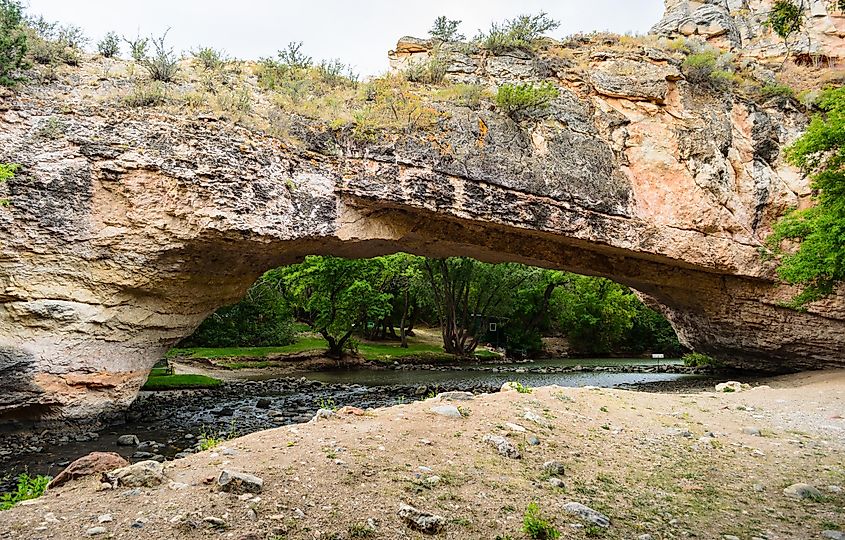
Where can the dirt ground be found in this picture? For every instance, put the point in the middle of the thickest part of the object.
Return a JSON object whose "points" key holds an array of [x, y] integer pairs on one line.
{"points": [[642, 459]]}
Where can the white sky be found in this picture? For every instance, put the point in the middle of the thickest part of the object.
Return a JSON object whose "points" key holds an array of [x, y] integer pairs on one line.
{"points": [[359, 33]]}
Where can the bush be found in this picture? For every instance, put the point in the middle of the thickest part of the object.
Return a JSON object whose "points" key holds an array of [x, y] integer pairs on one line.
{"points": [[536, 527], [51, 44], [13, 43], [137, 47], [464, 95], [709, 69], [146, 95], [294, 58], [785, 18], [209, 58], [525, 99], [430, 71], [775, 90], [28, 487], [447, 30], [7, 172], [519, 33], [695, 359], [109, 46], [163, 64]]}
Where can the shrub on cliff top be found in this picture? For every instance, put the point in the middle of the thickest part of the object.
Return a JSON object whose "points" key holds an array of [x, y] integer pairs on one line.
{"points": [[163, 64], [525, 99], [109, 46], [447, 29], [519, 33], [13, 43]]}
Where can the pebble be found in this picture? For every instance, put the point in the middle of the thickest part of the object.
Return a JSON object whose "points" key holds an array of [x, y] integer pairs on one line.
{"points": [[533, 440], [678, 432], [515, 427], [215, 522], [96, 531], [555, 482], [105, 518]]}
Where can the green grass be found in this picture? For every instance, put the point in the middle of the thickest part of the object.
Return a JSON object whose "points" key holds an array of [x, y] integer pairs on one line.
{"points": [[374, 352], [158, 380], [303, 345]]}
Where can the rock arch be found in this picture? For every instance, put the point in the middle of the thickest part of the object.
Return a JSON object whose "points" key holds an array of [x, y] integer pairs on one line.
{"points": [[131, 227]]}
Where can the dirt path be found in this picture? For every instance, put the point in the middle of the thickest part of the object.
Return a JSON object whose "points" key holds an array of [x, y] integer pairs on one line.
{"points": [[644, 460]]}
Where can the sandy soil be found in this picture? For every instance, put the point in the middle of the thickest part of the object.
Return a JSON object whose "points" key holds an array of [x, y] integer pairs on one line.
{"points": [[641, 459]]}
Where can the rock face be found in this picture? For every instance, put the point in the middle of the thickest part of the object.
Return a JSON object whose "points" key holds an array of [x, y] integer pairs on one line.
{"points": [[128, 226], [738, 25]]}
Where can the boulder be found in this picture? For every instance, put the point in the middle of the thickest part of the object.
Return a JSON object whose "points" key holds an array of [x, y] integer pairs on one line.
{"points": [[238, 482], [732, 386], [632, 79], [142, 474], [92, 464], [802, 491], [127, 440], [553, 468], [455, 396], [419, 520]]}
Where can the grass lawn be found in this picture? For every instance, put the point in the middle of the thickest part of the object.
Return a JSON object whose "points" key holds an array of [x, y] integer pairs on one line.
{"points": [[375, 352], [159, 380]]}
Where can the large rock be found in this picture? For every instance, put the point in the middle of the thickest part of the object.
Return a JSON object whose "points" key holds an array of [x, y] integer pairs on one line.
{"points": [[238, 482], [94, 463], [420, 520], [142, 474], [128, 228]]}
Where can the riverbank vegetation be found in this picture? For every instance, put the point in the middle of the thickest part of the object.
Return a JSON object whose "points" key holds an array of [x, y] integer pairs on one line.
{"points": [[374, 308]]}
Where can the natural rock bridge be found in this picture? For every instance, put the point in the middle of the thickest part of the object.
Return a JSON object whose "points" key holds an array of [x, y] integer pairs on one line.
{"points": [[129, 226]]}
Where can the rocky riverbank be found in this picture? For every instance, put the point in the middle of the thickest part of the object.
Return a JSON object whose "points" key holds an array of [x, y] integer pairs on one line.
{"points": [[755, 463]]}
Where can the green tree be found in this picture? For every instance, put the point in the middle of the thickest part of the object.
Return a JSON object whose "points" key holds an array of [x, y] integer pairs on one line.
{"points": [[466, 293], [13, 43], [525, 99], [109, 46], [595, 313], [262, 318], [818, 265], [785, 19], [519, 33], [446, 29], [332, 294]]}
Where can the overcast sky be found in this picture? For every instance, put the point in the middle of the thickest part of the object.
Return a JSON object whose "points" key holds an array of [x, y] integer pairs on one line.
{"points": [[359, 33]]}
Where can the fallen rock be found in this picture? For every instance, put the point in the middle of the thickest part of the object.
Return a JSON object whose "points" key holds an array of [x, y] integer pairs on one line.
{"points": [[238, 482], [802, 491], [833, 535], [93, 463], [587, 514], [753, 431], [449, 411], [323, 414], [503, 446], [127, 440], [732, 386], [96, 531], [455, 396], [419, 520], [142, 474]]}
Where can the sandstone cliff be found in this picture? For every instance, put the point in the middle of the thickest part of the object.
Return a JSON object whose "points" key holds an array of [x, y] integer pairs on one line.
{"points": [[128, 225]]}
